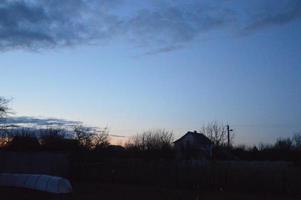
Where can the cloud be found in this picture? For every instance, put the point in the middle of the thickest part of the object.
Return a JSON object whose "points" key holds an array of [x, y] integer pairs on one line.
{"points": [[163, 50], [172, 25], [34, 24], [27, 121], [158, 25], [34, 123], [271, 15]]}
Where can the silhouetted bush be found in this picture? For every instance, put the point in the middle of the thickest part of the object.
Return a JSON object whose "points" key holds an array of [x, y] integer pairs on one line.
{"points": [[282, 150], [152, 144], [297, 141], [284, 144], [23, 140], [4, 138], [55, 140]]}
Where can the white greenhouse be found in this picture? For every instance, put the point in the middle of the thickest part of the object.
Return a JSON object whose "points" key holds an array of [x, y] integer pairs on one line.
{"points": [[52, 184]]}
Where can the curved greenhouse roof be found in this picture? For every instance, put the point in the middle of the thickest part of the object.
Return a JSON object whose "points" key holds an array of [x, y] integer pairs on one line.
{"points": [[52, 184]]}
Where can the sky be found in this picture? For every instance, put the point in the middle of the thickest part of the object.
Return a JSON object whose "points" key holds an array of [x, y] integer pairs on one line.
{"points": [[133, 65]]}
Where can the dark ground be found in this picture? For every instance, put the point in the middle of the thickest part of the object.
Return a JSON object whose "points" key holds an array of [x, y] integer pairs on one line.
{"points": [[91, 191]]}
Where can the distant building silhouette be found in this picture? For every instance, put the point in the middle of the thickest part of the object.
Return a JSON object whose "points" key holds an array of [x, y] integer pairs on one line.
{"points": [[194, 145]]}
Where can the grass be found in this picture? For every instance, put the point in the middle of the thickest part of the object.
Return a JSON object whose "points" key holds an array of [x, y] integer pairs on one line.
{"points": [[93, 191]]}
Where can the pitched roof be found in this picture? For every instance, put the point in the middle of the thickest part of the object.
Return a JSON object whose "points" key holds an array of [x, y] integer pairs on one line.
{"points": [[199, 137]]}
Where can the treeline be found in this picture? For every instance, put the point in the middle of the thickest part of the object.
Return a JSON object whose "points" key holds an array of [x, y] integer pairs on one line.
{"points": [[53, 139], [285, 149], [153, 144], [150, 144]]}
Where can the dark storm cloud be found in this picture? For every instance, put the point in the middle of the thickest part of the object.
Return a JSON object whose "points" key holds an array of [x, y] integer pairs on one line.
{"points": [[162, 26], [18, 25]]}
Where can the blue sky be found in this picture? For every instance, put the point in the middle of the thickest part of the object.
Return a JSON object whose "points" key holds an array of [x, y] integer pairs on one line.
{"points": [[156, 64]]}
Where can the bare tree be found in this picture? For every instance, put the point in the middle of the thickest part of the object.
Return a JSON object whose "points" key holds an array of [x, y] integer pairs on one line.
{"points": [[84, 136], [101, 138], [217, 133], [152, 140], [4, 109], [91, 138], [297, 140]]}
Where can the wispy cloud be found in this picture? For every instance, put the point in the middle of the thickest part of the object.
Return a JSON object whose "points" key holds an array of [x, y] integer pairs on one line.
{"points": [[27, 121], [172, 25], [274, 14], [36, 123], [163, 50], [162, 25]]}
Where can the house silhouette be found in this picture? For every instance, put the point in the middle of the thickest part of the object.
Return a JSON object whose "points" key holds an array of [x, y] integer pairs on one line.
{"points": [[193, 145]]}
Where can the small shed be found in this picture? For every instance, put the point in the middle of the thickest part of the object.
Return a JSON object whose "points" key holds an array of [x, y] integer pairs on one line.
{"points": [[194, 145]]}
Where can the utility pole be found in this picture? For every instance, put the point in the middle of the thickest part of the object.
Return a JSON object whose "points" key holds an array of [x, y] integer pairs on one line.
{"points": [[228, 134]]}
